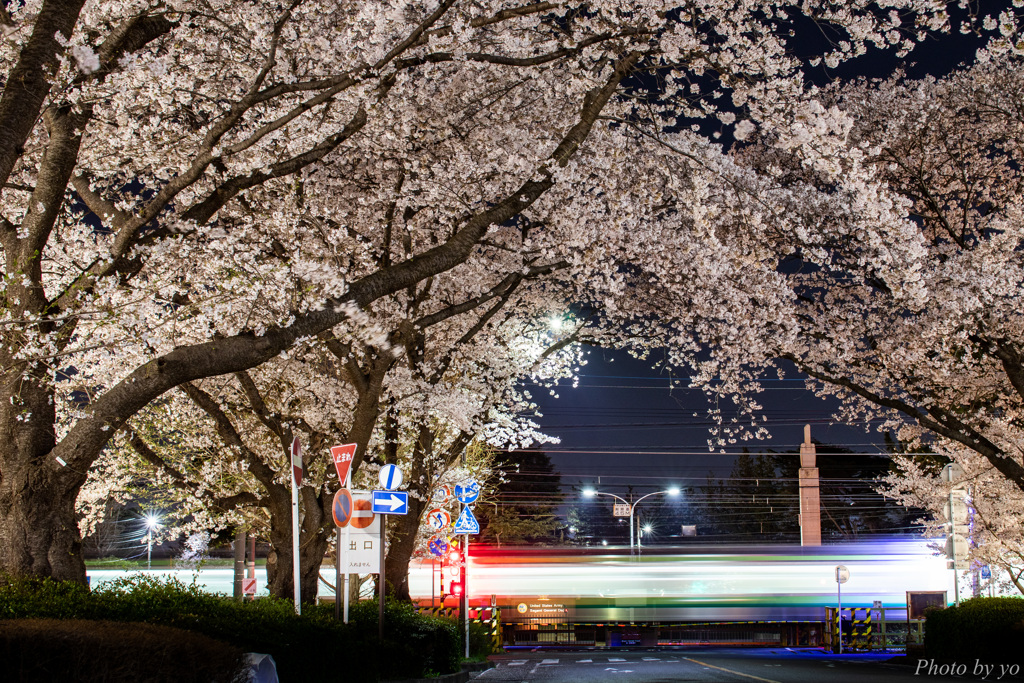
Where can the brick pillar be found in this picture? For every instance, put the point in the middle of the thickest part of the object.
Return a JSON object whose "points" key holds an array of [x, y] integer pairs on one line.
{"points": [[810, 499]]}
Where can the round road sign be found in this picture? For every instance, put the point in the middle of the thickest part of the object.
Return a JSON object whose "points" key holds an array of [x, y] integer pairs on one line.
{"points": [[390, 477], [842, 574], [362, 513], [438, 545], [467, 492], [342, 507], [442, 493], [438, 519]]}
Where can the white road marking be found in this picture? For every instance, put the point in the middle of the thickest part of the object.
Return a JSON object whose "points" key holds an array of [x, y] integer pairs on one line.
{"points": [[586, 661], [516, 662], [651, 659], [549, 661], [615, 659]]}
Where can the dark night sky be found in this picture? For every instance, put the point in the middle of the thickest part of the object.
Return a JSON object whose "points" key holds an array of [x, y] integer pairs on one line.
{"points": [[630, 424]]}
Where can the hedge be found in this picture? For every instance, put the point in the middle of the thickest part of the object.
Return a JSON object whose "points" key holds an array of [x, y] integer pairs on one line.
{"points": [[102, 651], [309, 647], [988, 629]]}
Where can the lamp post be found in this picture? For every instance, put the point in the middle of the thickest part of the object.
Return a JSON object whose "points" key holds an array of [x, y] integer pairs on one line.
{"points": [[151, 523], [589, 492]]}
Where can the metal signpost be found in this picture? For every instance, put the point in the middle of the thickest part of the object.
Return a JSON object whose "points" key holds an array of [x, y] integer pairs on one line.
{"points": [[388, 502], [842, 576], [341, 509], [466, 493], [296, 482], [342, 456]]}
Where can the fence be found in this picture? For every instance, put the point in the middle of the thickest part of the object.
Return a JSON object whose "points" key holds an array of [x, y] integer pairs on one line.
{"points": [[859, 632]]}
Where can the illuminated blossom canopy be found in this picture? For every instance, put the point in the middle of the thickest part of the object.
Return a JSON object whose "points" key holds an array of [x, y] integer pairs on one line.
{"points": [[192, 189]]}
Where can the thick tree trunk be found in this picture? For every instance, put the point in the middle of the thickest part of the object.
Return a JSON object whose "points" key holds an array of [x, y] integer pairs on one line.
{"points": [[313, 543], [38, 527], [403, 543]]}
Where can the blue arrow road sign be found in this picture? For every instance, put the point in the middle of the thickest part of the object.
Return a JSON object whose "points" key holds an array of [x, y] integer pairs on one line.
{"points": [[390, 503], [467, 492], [467, 523]]}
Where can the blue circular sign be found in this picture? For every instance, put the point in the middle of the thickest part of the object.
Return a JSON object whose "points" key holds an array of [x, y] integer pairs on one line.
{"points": [[390, 477], [342, 507], [467, 492], [438, 546]]}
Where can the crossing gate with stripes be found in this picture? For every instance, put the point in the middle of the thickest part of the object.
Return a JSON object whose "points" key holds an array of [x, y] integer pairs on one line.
{"points": [[859, 633], [488, 617]]}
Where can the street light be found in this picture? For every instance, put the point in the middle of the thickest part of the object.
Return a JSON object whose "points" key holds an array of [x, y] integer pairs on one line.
{"points": [[151, 523], [589, 492]]}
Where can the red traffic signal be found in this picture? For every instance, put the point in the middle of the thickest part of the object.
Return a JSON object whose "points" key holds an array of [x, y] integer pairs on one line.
{"points": [[455, 589]]}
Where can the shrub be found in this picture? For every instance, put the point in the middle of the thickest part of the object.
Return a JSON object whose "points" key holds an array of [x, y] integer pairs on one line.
{"points": [[309, 647], [54, 649], [989, 629]]}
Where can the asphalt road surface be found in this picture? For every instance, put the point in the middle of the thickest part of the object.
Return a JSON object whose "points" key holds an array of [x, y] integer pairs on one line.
{"points": [[770, 665]]}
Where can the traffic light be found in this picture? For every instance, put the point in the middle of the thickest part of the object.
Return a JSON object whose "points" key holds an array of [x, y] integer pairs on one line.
{"points": [[455, 589]]}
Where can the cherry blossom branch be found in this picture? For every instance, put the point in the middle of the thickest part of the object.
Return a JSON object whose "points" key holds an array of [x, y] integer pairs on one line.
{"points": [[20, 107], [230, 436], [938, 420], [86, 438], [223, 503]]}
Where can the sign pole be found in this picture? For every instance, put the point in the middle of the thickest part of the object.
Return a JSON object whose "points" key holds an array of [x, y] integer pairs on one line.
{"points": [[348, 528], [842, 576], [839, 620], [296, 470], [342, 456], [380, 616], [465, 591], [337, 573]]}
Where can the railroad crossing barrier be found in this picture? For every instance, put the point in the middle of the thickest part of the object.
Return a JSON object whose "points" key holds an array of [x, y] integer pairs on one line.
{"points": [[860, 634], [488, 617]]}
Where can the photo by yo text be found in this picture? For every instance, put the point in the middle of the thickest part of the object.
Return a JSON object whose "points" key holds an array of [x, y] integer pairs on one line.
{"points": [[980, 670]]}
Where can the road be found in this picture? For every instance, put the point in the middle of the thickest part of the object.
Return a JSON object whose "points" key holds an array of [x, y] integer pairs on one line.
{"points": [[721, 665]]}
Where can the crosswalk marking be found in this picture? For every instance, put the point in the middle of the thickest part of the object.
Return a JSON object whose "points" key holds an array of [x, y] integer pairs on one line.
{"points": [[615, 659], [651, 659], [517, 662], [549, 661], [586, 661]]}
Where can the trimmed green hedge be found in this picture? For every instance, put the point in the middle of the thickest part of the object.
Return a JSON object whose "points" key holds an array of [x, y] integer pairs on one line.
{"points": [[309, 647], [66, 650], [989, 629]]}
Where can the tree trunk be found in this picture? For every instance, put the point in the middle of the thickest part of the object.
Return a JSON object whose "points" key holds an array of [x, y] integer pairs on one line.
{"points": [[403, 543], [313, 543], [38, 526]]}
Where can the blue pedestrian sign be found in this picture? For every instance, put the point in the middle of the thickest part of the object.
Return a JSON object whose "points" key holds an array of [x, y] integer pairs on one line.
{"points": [[390, 503], [390, 477], [467, 492], [986, 573], [467, 523]]}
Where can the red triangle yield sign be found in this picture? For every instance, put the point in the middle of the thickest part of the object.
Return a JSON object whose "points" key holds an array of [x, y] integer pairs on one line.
{"points": [[342, 456]]}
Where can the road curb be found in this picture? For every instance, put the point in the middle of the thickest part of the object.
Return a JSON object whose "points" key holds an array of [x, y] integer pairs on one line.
{"points": [[468, 668]]}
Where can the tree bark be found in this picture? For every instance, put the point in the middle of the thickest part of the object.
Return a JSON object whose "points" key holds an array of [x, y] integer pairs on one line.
{"points": [[313, 543]]}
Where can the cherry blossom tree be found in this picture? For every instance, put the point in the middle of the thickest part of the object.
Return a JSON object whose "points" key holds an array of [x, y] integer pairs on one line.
{"points": [[995, 509], [929, 340], [168, 169], [223, 446], [886, 267]]}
